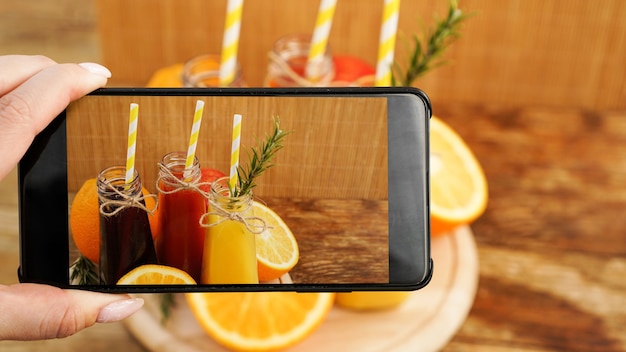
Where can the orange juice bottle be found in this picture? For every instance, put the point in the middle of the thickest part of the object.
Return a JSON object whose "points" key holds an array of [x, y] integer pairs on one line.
{"points": [[229, 247]]}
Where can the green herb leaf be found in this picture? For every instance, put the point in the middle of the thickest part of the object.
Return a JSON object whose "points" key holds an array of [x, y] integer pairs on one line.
{"points": [[167, 303], [84, 272], [426, 56], [260, 160]]}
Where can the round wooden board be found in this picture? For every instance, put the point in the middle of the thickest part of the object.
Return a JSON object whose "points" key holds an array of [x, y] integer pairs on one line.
{"points": [[426, 321]]}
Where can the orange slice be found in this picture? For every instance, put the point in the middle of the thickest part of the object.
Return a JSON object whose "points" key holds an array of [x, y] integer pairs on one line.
{"points": [[276, 248], [259, 321], [152, 274], [458, 187]]}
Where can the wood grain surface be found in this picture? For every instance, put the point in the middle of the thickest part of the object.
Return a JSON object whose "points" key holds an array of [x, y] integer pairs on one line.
{"points": [[551, 243], [339, 240]]}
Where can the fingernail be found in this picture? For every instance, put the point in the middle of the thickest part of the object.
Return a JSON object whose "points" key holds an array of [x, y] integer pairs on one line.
{"points": [[96, 69], [119, 310]]}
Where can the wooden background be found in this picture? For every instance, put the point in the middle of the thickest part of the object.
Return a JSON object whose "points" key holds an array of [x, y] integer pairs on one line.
{"points": [[535, 87], [324, 156], [517, 52]]}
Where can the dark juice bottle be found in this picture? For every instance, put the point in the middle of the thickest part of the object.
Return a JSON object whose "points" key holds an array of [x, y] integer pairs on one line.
{"points": [[125, 236], [181, 238]]}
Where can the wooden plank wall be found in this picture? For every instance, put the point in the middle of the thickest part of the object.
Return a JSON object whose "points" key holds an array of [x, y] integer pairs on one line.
{"points": [[323, 157], [515, 52]]}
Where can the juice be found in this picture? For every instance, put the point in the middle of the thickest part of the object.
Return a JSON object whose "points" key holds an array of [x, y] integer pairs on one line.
{"points": [[297, 65], [229, 248], [125, 236], [125, 243], [181, 240], [231, 254]]}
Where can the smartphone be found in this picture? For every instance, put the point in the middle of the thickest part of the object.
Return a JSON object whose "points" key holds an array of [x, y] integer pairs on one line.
{"points": [[350, 182]]}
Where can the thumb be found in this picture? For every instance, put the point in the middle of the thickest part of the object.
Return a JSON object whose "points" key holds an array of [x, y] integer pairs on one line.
{"points": [[34, 312]]}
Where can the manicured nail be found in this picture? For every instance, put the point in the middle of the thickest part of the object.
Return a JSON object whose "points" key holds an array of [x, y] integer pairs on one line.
{"points": [[119, 310], [96, 69]]}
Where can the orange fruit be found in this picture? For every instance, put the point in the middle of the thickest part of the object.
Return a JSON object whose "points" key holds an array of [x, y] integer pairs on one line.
{"points": [[367, 300], [276, 248], [458, 187], [259, 321], [152, 274], [85, 220], [154, 218]]}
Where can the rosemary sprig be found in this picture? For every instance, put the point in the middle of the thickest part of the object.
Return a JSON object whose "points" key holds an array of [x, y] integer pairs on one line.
{"points": [[260, 160], [425, 56], [84, 272], [167, 303]]}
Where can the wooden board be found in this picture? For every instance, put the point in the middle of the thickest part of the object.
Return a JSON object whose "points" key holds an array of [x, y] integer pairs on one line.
{"points": [[426, 321]]}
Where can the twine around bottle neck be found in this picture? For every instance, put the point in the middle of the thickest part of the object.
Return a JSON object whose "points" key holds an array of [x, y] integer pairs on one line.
{"points": [[176, 184], [254, 224], [294, 76], [363, 81], [125, 201]]}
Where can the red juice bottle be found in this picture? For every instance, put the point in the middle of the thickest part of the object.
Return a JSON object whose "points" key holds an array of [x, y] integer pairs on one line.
{"points": [[125, 236], [181, 204], [288, 60]]}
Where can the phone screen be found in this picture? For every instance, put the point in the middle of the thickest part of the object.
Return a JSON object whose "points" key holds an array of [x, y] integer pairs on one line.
{"points": [[328, 186]]}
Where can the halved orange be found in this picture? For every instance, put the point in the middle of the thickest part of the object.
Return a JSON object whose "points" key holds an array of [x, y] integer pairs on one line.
{"points": [[276, 248], [153, 274], [259, 321], [458, 187]]}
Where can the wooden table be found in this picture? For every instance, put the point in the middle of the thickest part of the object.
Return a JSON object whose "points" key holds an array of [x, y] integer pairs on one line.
{"points": [[551, 244]]}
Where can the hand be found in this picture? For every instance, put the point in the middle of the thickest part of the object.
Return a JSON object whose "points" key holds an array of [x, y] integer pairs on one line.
{"points": [[33, 90]]}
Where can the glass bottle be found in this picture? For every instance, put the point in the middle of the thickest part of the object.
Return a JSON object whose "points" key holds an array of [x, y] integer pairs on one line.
{"points": [[288, 60], [181, 204], [125, 236], [204, 71], [230, 252]]}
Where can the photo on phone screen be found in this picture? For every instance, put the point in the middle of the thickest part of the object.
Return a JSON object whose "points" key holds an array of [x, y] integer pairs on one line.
{"points": [[318, 213]]}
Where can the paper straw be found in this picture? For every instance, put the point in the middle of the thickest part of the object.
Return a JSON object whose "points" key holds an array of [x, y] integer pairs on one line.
{"points": [[319, 40], [193, 139], [387, 42], [234, 152], [132, 142], [230, 43]]}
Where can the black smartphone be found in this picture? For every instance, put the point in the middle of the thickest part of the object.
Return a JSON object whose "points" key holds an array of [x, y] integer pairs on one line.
{"points": [[341, 205]]}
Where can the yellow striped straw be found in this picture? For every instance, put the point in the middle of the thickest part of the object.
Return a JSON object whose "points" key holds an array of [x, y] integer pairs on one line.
{"points": [[234, 152], [387, 42], [193, 140], [132, 142], [230, 43], [319, 40]]}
